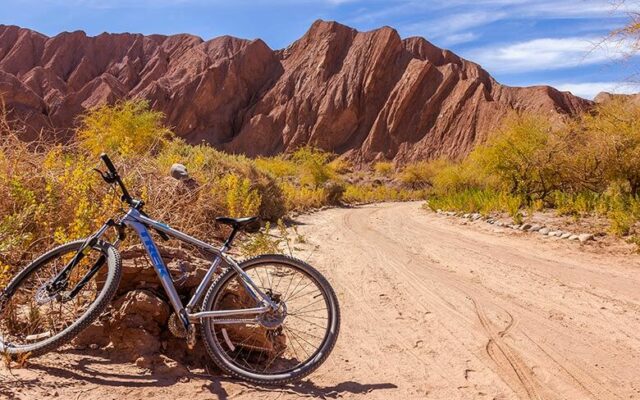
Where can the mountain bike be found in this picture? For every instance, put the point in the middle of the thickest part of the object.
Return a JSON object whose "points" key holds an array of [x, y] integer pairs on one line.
{"points": [[271, 319]]}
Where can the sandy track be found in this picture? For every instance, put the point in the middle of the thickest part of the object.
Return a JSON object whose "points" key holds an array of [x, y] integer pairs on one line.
{"points": [[431, 309]]}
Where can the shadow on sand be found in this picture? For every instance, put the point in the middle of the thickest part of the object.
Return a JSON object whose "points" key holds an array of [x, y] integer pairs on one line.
{"points": [[93, 370]]}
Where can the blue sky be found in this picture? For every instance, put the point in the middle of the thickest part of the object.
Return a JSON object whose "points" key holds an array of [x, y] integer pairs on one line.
{"points": [[520, 42]]}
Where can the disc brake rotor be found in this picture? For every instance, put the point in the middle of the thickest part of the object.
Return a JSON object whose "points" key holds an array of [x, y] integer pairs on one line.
{"points": [[44, 296]]}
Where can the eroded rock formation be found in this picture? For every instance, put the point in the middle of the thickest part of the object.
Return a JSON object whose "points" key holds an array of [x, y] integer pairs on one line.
{"points": [[365, 94]]}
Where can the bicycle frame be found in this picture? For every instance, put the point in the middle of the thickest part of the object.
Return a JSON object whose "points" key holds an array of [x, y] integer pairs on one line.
{"points": [[140, 224]]}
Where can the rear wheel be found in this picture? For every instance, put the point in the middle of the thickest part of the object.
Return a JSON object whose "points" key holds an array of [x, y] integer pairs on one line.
{"points": [[35, 320], [284, 345]]}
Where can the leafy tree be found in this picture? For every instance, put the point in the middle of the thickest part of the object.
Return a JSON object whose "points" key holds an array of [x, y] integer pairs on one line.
{"points": [[523, 155], [613, 138]]}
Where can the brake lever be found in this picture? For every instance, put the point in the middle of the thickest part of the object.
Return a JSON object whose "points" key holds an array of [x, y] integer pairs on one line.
{"points": [[106, 176]]}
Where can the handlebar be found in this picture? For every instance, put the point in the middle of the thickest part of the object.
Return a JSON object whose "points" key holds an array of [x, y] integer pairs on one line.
{"points": [[112, 176], [107, 161]]}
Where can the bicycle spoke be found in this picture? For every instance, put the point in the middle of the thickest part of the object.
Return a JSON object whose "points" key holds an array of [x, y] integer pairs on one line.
{"points": [[308, 322], [35, 314], [292, 344]]}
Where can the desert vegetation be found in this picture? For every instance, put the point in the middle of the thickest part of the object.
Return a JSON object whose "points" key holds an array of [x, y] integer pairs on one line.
{"points": [[52, 195], [589, 166]]}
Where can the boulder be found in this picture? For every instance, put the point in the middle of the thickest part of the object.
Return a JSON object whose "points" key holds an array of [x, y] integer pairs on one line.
{"points": [[585, 237], [135, 326]]}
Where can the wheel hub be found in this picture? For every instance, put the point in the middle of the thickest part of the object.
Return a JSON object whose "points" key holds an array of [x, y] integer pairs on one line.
{"points": [[45, 295], [274, 318]]}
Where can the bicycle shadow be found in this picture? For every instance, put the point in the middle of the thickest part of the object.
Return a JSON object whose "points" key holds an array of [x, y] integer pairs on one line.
{"points": [[85, 370], [92, 370], [309, 389]]}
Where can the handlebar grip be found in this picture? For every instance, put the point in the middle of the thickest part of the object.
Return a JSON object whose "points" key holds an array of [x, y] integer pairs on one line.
{"points": [[107, 161]]}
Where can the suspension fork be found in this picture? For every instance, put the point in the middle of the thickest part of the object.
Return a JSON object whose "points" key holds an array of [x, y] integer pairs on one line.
{"points": [[60, 282]]}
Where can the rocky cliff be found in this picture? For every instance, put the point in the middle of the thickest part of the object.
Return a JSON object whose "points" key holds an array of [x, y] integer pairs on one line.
{"points": [[365, 94]]}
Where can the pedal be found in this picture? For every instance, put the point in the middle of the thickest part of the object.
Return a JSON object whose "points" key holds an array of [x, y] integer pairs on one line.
{"points": [[191, 337]]}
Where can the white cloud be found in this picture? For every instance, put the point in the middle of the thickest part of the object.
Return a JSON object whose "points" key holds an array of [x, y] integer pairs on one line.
{"points": [[450, 29], [458, 38], [589, 90], [548, 54]]}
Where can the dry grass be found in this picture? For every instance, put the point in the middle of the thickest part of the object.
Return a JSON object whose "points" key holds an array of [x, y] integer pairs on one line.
{"points": [[52, 195]]}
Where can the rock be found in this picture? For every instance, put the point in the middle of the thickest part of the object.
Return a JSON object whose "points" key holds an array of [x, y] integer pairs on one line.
{"points": [[138, 273], [574, 237], [535, 228], [138, 320], [466, 215], [143, 303], [364, 94], [566, 235], [544, 231], [135, 327], [94, 336], [475, 216], [556, 233], [525, 227], [179, 172], [585, 237]]}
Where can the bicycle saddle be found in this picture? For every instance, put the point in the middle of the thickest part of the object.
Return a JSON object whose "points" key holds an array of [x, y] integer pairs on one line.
{"points": [[238, 223]]}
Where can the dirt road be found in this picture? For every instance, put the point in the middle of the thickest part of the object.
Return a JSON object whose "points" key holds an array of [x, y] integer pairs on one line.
{"points": [[432, 309]]}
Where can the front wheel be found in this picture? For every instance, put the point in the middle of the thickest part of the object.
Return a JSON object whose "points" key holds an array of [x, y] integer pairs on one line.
{"points": [[35, 320], [285, 345]]}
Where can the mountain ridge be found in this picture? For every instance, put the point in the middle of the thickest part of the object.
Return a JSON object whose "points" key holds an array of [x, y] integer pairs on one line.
{"points": [[367, 95]]}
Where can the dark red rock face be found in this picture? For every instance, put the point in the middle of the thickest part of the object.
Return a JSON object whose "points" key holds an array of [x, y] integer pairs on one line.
{"points": [[365, 94]]}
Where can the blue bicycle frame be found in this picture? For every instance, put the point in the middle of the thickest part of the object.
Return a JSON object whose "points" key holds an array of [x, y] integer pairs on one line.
{"points": [[141, 223]]}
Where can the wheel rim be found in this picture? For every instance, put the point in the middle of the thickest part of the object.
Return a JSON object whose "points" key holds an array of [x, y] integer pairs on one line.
{"points": [[32, 315], [298, 340]]}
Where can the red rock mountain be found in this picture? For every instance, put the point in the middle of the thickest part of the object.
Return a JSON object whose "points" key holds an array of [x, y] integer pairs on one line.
{"points": [[365, 94]]}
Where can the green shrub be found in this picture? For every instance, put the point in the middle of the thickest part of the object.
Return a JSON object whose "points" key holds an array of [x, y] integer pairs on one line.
{"points": [[277, 166], [240, 198], [371, 194], [340, 166], [383, 168], [129, 128], [422, 174], [313, 168]]}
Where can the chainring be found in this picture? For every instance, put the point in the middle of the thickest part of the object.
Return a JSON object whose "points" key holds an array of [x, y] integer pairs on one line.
{"points": [[176, 327]]}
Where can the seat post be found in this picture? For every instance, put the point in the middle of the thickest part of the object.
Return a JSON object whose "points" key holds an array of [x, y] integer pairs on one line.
{"points": [[227, 243]]}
